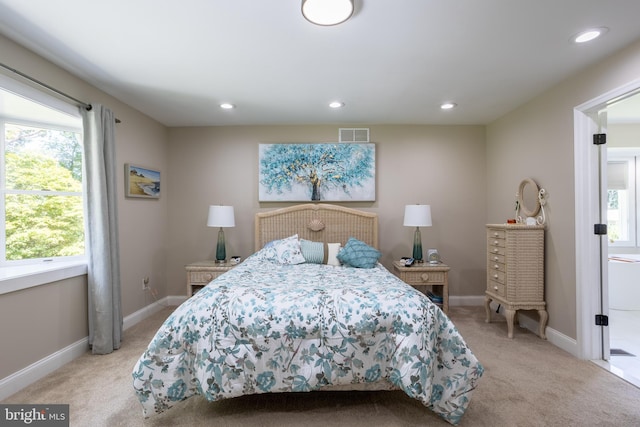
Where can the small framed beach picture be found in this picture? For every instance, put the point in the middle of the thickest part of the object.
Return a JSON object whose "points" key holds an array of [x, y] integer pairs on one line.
{"points": [[141, 182]]}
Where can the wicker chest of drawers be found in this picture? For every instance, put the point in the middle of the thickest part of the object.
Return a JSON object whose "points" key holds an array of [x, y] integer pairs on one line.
{"points": [[515, 271]]}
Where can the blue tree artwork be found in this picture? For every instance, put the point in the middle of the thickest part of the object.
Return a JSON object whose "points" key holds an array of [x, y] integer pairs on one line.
{"points": [[317, 172]]}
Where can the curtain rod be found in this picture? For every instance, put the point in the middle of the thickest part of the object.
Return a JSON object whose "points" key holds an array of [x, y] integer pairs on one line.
{"points": [[52, 89]]}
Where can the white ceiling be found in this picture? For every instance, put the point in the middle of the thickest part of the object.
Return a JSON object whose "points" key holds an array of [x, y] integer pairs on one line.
{"points": [[394, 61]]}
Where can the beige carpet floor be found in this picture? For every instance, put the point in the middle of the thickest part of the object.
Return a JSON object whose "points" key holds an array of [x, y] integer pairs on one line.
{"points": [[527, 382]]}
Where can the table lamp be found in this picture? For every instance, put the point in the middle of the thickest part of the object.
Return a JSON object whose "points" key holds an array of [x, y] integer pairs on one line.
{"points": [[221, 216], [417, 216]]}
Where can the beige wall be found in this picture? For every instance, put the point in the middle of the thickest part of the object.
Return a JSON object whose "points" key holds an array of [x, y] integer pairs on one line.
{"points": [[442, 166], [48, 318], [469, 178], [38, 322], [536, 140]]}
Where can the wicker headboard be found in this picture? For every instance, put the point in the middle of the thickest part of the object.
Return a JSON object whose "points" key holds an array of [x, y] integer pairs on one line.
{"points": [[318, 222]]}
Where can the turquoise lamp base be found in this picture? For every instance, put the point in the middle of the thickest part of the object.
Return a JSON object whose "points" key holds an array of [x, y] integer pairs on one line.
{"points": [[417, 245], [221, 251]]}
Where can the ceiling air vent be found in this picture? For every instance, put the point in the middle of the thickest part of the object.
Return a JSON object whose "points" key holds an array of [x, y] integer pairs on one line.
{"points": [[353, 134]]}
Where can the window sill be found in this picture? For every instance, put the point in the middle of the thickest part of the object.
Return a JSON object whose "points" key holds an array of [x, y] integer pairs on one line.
{"points": [[28, 276]]}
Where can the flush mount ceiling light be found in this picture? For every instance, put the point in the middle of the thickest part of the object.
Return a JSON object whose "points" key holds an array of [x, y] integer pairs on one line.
{"points": [[327, 12], [336, 104], [227, 106], [588, 35], [448, 105]]}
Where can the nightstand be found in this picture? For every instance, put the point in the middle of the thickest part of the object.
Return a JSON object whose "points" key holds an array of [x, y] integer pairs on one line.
{"points": [[426, 277], [200, 273]]}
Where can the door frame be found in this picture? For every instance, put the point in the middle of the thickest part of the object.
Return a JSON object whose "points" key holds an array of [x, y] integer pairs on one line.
{"points": [[590, 262]]}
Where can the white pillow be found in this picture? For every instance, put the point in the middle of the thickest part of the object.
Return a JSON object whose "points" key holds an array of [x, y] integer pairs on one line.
{"points": [[285, 251], [332, 253]]}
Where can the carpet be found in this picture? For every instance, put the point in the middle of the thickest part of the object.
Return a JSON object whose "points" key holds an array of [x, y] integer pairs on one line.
{"points": [[527, 382]]}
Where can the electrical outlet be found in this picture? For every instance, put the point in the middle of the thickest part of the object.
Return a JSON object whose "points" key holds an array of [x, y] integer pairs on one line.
{"points": [[145, 283]]}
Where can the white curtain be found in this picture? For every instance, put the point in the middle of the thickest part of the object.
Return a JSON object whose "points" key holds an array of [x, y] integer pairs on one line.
{"points": [[105, 311]]}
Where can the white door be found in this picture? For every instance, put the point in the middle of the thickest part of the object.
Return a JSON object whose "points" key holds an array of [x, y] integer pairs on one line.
{"points": [[592, 296]]}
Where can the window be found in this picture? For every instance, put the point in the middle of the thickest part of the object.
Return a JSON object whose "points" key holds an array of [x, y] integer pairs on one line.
{"points": [[41, 205], [621, 198]]}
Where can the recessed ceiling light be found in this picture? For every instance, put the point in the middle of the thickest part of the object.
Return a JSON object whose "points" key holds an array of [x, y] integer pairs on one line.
{"points": [[448, 106], [336, 104], [227, 106], [588, 35], [327, 12]]}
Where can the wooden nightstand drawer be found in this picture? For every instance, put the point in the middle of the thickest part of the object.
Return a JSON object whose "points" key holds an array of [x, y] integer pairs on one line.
{"points": [[422, 277], [202, 276]]}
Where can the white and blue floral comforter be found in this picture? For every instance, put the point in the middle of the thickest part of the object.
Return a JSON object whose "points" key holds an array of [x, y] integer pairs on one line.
{"points": [[266, 327]]}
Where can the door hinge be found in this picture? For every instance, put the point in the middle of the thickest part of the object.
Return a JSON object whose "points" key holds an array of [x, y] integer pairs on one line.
{"points": [[600, 229], [599, 138], [602, 320]]}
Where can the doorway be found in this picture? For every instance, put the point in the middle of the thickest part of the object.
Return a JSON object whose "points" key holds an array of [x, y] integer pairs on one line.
{"points": [[623, 167], [592, 251]]}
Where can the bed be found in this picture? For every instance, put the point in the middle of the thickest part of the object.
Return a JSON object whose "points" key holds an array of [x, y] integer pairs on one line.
{"points": [[312, 309]]}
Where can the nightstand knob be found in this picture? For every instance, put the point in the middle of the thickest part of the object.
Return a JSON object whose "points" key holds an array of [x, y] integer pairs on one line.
{"points": [[495, 250], [495, 258], [424, 277], [496, 234], [495, 288], [208, 276], [496, 266], [495, 242], [495, 276]]}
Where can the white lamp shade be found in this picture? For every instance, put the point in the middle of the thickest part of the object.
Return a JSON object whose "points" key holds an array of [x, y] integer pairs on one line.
{"points": [[327, 12], [221, 216], [417, 216]]}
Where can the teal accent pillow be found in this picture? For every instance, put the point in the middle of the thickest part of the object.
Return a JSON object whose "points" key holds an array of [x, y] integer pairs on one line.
{"points": [[313, 252], [358, 254]]}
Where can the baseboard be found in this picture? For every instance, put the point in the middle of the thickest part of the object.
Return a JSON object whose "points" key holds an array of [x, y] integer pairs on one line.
{"points": [[147, 311], [466, 300], [34, 372]]}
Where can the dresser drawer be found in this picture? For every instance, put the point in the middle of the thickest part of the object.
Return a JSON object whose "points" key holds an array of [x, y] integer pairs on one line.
{"points": [[496, 243], [421, 277], [496, 266], [496, 275], [497, 250], [492, 233], [495, 257], [496, 288]]}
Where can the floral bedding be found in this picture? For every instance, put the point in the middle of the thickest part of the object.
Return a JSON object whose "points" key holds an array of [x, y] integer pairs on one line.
{"points": [[269, 327]]}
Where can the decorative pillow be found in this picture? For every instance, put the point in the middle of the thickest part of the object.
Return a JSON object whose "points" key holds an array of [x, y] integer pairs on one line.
{"points": [[358, 254], [284, 251], [313, 252], [332, 253]]}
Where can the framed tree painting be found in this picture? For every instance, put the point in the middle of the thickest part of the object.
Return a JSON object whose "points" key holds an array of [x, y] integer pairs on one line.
{"points": [[328, 172], [141, 182]]}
